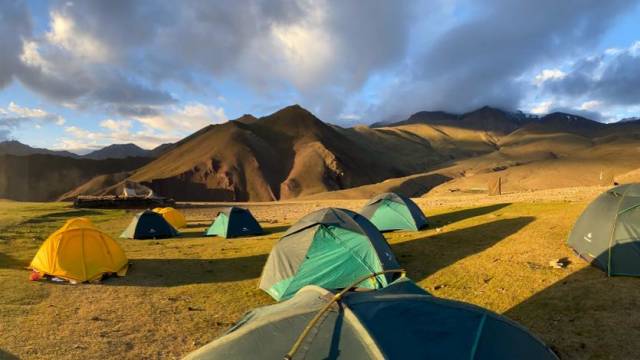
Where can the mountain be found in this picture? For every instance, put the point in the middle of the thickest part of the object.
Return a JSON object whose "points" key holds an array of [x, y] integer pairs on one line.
{"points": [[12, 147], [118, 151], [293, 154]]}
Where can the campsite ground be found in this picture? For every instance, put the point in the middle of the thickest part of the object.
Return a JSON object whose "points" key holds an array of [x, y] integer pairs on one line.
{"points": [[182, 293]]}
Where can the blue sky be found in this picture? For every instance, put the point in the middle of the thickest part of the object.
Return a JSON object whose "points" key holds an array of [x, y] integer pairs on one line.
{"points": [[82, 75]]}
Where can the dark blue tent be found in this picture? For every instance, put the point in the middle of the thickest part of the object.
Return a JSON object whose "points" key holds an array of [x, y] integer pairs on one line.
{"points": [[149, 225]]}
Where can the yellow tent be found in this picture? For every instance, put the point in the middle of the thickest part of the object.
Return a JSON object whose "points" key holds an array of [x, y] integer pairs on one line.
{"points": [[173, 217], [79, 252]]}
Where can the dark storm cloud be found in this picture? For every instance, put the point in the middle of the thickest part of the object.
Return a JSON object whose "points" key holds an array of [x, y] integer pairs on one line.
{"points": [[479, 61], [15, 23], [614, 80]]}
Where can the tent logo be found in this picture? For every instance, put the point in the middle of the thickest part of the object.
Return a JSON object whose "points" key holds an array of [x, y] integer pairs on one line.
{"points": [[588, 237], [245, 229], [152, 230]]}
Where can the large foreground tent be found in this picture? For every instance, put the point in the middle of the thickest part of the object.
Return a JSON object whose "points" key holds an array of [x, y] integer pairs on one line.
{"points": [[329, 248], [173, 217], [390, 211], [79, 252], [233, 222], [398, 322], [608, 232], [149, 225]]}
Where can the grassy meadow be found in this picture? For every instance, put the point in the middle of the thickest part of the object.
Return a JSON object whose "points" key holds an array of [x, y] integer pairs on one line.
{"points": [[181, 293]]}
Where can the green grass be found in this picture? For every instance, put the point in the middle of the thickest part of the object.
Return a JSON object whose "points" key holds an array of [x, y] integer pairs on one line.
{"points": [[182, 293]]}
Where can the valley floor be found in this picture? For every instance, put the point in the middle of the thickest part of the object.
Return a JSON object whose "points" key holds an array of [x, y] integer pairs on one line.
{"points": [[182, 293]]}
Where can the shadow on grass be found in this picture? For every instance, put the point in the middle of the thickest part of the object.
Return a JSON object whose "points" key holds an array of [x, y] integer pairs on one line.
{"points": [[190, 234], [459, 215], [9, 262], [197, 225], [177, 272], [585, 315], [425, 256], [61, 215], [274, 229], [4, 355]]}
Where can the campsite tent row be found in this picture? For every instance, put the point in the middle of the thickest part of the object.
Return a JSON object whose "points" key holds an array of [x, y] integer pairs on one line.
{"points": [[331, 249]]}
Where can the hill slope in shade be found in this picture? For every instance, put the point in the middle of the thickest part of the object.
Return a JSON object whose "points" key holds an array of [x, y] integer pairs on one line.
{"points": [[44, 177]]}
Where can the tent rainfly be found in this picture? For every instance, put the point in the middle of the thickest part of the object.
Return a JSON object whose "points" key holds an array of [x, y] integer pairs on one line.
{"points": [[607, 234], [79, 252], [173, 217], [329, 248], [234, 222], [400, 321], [390, 211]]}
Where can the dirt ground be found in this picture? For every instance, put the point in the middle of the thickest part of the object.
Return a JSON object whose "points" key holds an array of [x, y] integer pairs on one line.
{"points": [[182, 293]]}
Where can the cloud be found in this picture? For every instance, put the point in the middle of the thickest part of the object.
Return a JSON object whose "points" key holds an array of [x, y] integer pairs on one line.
{"points": [[480, 61], [15, 23], [164, 125], [548, 74], [611, 78], [185, 119], [15, 116]]}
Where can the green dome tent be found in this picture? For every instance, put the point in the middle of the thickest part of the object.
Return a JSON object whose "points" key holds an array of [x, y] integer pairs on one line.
{"points": [[149, 225], [390, 211], [329, 248], [607, 234], [233, 222], [401, 321]]}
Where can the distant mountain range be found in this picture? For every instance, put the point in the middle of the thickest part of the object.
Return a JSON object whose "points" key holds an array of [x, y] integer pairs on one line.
{"points": [[293, 154], [115, 151]]}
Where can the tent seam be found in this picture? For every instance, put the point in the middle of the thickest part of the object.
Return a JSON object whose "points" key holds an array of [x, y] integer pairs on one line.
{"points": [[613, 231], [477, 339]]}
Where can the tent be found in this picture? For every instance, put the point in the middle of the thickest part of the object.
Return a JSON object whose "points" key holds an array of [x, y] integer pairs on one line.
{"points": [[400, 321], [149, 225], [233, 222], [607, 234], [390, 211], [173, 217], [329, 248], [79, 252]]}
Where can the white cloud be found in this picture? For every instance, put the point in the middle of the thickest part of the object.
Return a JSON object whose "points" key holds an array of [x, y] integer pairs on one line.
{"points": [[188, 118], [116, 126], [590, 105], [63, 33], [542, 108], [350, 117], [548, 74], [15, 115]]}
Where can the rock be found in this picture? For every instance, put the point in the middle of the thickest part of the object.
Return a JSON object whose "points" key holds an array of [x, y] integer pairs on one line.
{"points": [[560, 263]]}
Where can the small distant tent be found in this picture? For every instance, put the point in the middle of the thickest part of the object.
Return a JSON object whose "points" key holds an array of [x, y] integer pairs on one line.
{"points": [[390, 211], [234, 222], [401, 321], [173, 217], [133, 189], [329, 248], [149, 225], [607, 234], [79, 252]]}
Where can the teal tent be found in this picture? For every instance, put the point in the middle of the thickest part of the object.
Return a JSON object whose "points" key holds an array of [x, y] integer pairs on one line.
{"points": [[398, 322], [233, 222], [149, 225], [330, 248], [390, 211], [607, 234]]}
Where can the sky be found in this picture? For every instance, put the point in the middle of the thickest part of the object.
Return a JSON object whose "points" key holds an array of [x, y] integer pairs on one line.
{"points": [[79, 75]]}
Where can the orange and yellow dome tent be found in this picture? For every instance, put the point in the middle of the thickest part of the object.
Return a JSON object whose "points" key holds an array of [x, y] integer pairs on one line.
{"points": [[173, 217], [79, 252]]}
